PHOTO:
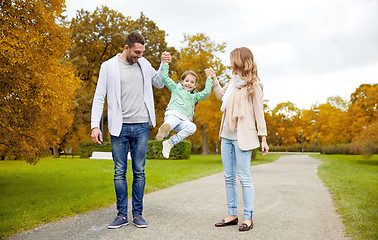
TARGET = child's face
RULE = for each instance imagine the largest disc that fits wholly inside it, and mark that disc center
(189, 83)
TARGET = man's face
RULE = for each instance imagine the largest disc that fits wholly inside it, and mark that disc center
(134, 53)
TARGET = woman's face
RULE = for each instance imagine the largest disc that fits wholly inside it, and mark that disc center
(189, 83)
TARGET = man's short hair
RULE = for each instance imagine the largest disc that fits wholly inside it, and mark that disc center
(134, 37)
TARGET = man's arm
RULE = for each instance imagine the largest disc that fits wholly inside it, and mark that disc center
(98, 106)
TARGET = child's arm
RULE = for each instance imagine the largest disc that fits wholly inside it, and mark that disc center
(205, 92)
(168, 82)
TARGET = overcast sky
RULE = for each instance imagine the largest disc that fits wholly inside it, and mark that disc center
(305, 50)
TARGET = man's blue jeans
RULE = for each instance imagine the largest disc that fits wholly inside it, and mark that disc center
(236, 161)
(135, 138)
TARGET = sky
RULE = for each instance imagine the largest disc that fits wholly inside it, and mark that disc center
(305, 50)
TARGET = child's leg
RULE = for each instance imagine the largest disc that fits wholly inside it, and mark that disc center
(170, 122)
(184, 129)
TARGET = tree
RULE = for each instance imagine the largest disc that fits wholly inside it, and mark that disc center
(199, 54)
(283, 117)
(367, 140)
(363, 106)
(36, 82)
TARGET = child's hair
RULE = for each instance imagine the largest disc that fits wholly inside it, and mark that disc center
(186, 73)
(244, 66)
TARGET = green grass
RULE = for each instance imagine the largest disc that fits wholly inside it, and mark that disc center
(31, 195)
(353, 183)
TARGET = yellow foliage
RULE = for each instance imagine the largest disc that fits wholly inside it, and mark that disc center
(36, 84)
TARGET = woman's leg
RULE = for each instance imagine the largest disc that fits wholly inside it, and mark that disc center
(243, 161)
(229, 167)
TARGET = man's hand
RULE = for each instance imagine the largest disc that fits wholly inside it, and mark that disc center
(96, 135)
(166, 57)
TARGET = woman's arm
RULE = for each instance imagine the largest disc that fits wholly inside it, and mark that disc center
(217, 88)
(258, 107)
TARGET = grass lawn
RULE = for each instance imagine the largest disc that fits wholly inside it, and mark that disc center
(31, 195)
(353, 183)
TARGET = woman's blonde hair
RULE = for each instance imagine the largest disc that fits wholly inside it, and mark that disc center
(244, 66)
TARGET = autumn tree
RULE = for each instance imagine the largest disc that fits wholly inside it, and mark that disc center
(284, 126)
(36, 82)
(200, 52)
(363, 106)
(367, 140)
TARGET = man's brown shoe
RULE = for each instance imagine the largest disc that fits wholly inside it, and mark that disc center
(245, 227)
(224, 224)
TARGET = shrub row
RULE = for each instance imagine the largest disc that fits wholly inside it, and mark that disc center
(86, 148)
(179, 151)
(294, 148)
(352, 148)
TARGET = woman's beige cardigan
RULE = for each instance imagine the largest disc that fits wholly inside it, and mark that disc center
(244, 112)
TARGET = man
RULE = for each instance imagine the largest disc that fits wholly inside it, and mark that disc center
(126, 80)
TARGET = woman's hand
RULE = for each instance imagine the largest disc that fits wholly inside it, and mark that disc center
(210, 73)
(264, 146)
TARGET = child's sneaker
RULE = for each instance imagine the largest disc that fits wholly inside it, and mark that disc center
(140, 222)
(166, 149)
(163, 131)
(118, 222)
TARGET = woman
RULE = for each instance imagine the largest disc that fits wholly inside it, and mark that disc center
(242, 123)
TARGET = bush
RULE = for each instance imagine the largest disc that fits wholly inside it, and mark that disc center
(366, 143)
(181, 150)
(86, 148)
(294, 148)
(337, 149)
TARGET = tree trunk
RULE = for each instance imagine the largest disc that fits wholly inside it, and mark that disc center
(204, 142)
(56, 151)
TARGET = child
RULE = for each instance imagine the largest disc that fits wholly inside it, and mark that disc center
(180, 110)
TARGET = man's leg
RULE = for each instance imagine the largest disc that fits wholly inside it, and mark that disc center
(120, 147)
(139, 144)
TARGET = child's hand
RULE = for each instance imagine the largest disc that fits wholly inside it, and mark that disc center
(209, 72)
(166, 57)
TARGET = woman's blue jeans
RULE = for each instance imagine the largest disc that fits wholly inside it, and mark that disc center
(235, 161)
(135, 138)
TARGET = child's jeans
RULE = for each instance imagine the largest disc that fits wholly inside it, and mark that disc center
(183, 128)
(236, 161)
